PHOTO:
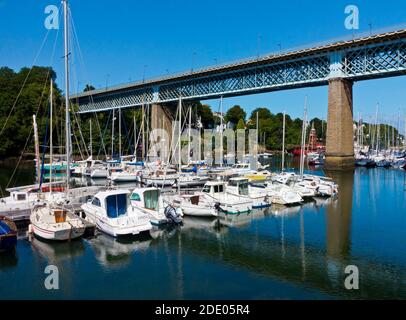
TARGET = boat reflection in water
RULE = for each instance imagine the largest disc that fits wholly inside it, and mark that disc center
(8, 260)
(56, 252)
(298, 252)
(116, 253)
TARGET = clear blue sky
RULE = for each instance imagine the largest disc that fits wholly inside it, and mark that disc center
(120, 40)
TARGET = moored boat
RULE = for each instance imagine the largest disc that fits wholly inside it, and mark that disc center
(113, 213)
(53, 221)
(8, 234)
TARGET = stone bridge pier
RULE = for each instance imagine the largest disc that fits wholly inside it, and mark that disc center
(340, 141)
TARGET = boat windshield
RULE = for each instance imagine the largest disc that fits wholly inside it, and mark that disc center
(135, 197)
(243, 188)
(219, 189)
(206, 189)
(116, 205)
(151, 199)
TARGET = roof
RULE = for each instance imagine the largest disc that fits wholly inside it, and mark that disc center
(142, 190)
(214, 183)
(239, 179)
(102, 195)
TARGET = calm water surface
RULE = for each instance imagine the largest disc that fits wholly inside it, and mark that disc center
(278, 253)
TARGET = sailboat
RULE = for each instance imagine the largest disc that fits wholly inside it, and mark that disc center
(52, 220)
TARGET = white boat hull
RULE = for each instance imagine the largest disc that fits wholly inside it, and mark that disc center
(124, 177)
(58, 235)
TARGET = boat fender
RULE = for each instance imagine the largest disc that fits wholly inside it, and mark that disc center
(30, 228)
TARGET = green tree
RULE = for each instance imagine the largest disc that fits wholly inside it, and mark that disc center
(206, 115)
(89, 87)
(241, 124)
(234, 114)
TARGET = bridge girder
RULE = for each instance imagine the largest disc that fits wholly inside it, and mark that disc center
(367, 58)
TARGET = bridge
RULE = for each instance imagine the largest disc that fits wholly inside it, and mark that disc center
(337, 65)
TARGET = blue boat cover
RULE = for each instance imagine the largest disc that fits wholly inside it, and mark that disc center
(4, 228)
(116, 205)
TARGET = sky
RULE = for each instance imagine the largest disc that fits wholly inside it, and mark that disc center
(127, 40)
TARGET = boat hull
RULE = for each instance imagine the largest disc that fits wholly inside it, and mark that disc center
(58, 235)
(8, 234)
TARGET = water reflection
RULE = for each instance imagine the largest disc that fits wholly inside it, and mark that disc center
(114, 253)
(338, 216)
(56, 252)
(272, 250)
(8, 260)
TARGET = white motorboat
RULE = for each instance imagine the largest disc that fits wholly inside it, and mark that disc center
(113, 213)
(99, 172)
(324, 186)
(160, 178)
(240, 187)
(187, 180)
(22, 199)
(131, 173)
(280, 193)
(96, 169)
(125, 176)
(195, 205)
(53, 221)
(150, 202)
(211, 201)
(305, 189)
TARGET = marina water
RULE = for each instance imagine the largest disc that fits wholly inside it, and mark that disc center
(277, 253)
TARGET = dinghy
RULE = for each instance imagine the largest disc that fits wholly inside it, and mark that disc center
(8, 234)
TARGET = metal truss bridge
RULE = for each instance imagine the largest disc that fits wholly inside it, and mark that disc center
(377, 56)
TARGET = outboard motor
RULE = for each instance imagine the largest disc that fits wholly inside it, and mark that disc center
(172, 215)
(217, 206)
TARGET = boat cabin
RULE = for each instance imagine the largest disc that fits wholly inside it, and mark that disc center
(148, 198)
(239, 185)
(114, 202)
(214, 187)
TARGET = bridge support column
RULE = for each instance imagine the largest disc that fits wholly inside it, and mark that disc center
(340, 141)
(161, 118)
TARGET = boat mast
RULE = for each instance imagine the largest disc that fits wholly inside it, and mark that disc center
(179, 141)
(143, 132)
(119, 133)
(190, 125)
(377, 129)
(36, 148)
(67, 116)
(257, 129)
(221, 132)
(302, 150)
(112, 135)
(91, 142)
(135, 137)
(283, 141)
(50, 138)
